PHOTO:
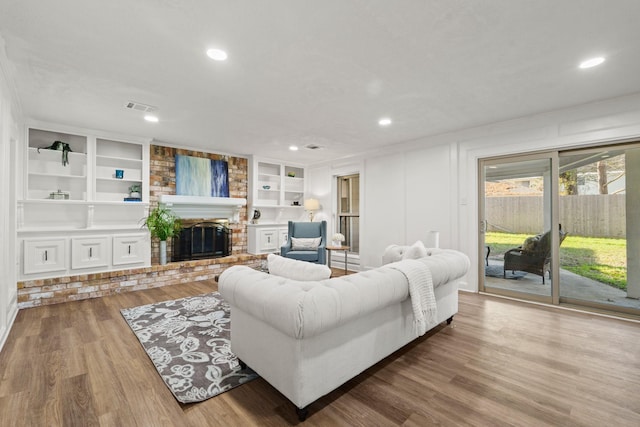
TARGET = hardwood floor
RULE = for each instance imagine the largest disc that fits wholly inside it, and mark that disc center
(499, 363)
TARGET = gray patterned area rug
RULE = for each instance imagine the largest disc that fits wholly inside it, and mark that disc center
(188, 342)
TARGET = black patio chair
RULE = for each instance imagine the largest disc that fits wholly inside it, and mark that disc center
(534, 256)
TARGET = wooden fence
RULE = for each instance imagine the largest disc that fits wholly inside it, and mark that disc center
(589, 215)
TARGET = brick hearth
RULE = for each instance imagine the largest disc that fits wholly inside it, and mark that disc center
(33, 293)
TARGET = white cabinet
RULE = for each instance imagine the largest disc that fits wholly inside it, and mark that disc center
(88, 252)
(44, 255)
(265, 239)
(81, 254)
(130, 249)
(82, 202)
(276, 190)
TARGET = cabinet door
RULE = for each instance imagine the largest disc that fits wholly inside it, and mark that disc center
(129, 249)
(268, 240)
(283, 236)
(44, 255)
(88, 252)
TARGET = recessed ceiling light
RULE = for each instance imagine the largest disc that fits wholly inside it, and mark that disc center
(151, 118)
(217, 54)
(592, 62)
(384, 121)
(293, 147)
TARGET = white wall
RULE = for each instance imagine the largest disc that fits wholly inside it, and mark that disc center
(432, 183)
(8, 143)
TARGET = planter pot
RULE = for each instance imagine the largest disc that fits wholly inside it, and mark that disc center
(163, 252)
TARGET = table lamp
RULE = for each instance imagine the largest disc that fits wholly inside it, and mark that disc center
(311, 205)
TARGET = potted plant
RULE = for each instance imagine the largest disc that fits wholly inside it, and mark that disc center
(162, 224)
(134, 191)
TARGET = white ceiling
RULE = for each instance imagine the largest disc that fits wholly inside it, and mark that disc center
(313, 72)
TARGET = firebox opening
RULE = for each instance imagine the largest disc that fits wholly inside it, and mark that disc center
(203, 240)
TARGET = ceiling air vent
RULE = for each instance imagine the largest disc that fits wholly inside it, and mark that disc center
(139, 106)
(313, 147)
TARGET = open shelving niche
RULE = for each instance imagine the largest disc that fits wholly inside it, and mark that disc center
(95, 195)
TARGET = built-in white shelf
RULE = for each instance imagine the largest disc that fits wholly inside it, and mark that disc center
(95, 211)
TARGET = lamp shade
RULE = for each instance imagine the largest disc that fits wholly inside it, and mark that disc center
(312, 204)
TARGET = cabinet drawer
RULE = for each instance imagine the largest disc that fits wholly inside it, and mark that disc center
(88, 252)
(44, 255)
(129, 249)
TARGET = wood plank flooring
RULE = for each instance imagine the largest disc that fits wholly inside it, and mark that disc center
(499, 363)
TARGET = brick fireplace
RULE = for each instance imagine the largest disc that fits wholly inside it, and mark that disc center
(163, 182)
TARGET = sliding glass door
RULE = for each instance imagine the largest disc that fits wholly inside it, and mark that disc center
(517, 227)
(600, 205)
(563, 227)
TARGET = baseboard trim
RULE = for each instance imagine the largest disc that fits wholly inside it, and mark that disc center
(11, 317)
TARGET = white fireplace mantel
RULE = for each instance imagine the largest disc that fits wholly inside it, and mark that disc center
(189, 207)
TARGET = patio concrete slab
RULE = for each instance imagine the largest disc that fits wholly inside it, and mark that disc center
(571, 286)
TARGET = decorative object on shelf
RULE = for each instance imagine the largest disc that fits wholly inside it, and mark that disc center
(119, 174)
(311, 205)
(256, 216)
(337, 239)
(266, 187)
(60, 146)
(295, 203)
(162, 223)
(59, 195)
(291, 174)
(134, 191)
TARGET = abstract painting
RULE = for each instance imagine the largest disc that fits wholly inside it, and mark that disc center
(197, 176)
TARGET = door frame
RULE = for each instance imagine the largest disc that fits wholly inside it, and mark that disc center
(551, 155)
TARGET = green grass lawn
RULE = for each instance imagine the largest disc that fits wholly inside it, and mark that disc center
(597, 258)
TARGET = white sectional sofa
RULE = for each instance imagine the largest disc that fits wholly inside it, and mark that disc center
(306, 338)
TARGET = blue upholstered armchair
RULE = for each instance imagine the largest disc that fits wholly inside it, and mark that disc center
(302, 239)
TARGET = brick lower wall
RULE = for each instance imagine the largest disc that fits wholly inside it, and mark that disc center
(34, 293)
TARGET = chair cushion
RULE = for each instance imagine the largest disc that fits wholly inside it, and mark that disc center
(303, 255)
(305, 244)
(296, 270)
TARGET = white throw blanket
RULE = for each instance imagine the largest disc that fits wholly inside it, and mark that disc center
(423, 300)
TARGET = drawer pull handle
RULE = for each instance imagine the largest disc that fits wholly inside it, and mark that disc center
(129, 249)
(90, 252)
(45, 255)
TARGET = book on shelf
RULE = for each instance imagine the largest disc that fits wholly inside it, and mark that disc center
(132, 199)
